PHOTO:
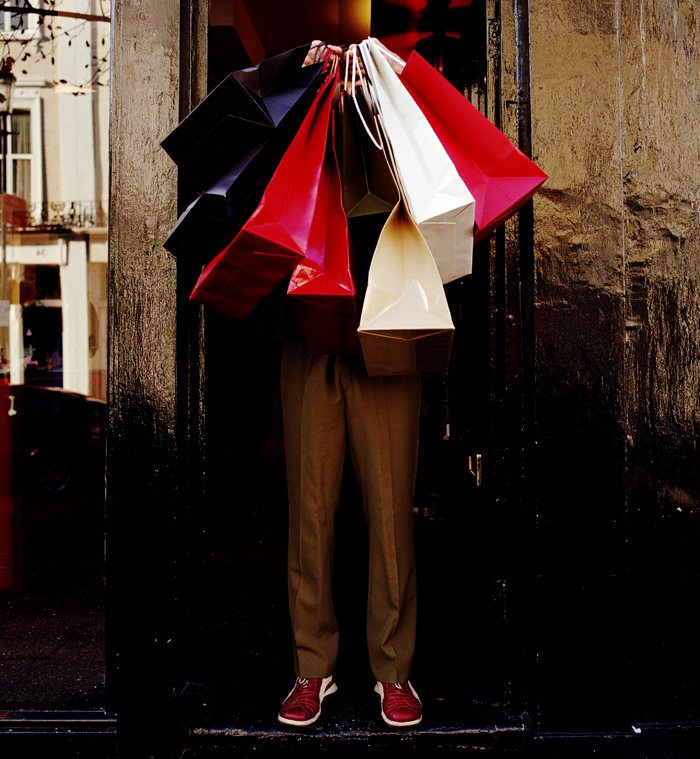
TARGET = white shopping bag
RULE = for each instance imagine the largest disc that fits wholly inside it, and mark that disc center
(438, 199)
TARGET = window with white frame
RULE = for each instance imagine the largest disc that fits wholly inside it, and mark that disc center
(17, 25)
(22, 170)
(19, 155)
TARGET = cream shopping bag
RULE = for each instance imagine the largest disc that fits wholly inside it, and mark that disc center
(406, 326)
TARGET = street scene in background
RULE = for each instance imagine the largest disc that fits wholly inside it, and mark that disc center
(54, 177)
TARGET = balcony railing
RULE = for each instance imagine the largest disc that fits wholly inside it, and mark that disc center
(69, 214)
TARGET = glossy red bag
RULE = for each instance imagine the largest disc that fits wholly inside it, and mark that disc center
(321, 289)
(500, 177)
(276, 236)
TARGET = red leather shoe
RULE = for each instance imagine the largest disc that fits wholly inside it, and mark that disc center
(401, 706)
(302, 706)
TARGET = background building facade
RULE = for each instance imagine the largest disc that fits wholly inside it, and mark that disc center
(56, 159)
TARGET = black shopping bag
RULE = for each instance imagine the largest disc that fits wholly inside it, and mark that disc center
(239, 115)
(231, 144)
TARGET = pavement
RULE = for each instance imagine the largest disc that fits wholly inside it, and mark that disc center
(52, 639)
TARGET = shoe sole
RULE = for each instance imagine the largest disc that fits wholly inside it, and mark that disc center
(391, 723)
(380, 695)
(305, 723)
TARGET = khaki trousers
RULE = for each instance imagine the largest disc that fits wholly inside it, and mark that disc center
(327, 400)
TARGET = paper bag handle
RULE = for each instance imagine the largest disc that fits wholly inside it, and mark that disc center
(365, 85)
(365, 52)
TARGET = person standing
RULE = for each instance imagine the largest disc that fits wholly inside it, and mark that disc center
(329, 402)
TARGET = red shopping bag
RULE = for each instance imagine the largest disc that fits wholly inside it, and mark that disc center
(321, 289)
(276, 237)
(500, 177)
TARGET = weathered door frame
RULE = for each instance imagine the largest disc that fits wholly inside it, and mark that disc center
(156, 366)
(154, 465)
(156, 374)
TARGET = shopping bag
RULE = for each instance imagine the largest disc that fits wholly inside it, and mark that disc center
(238, 116)
(367, 184)
(276, 236)
(405, 326)
(501, 178)
(321, 289)
(202, 231)
(213, 219)
(437, 197)
(231, 144)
